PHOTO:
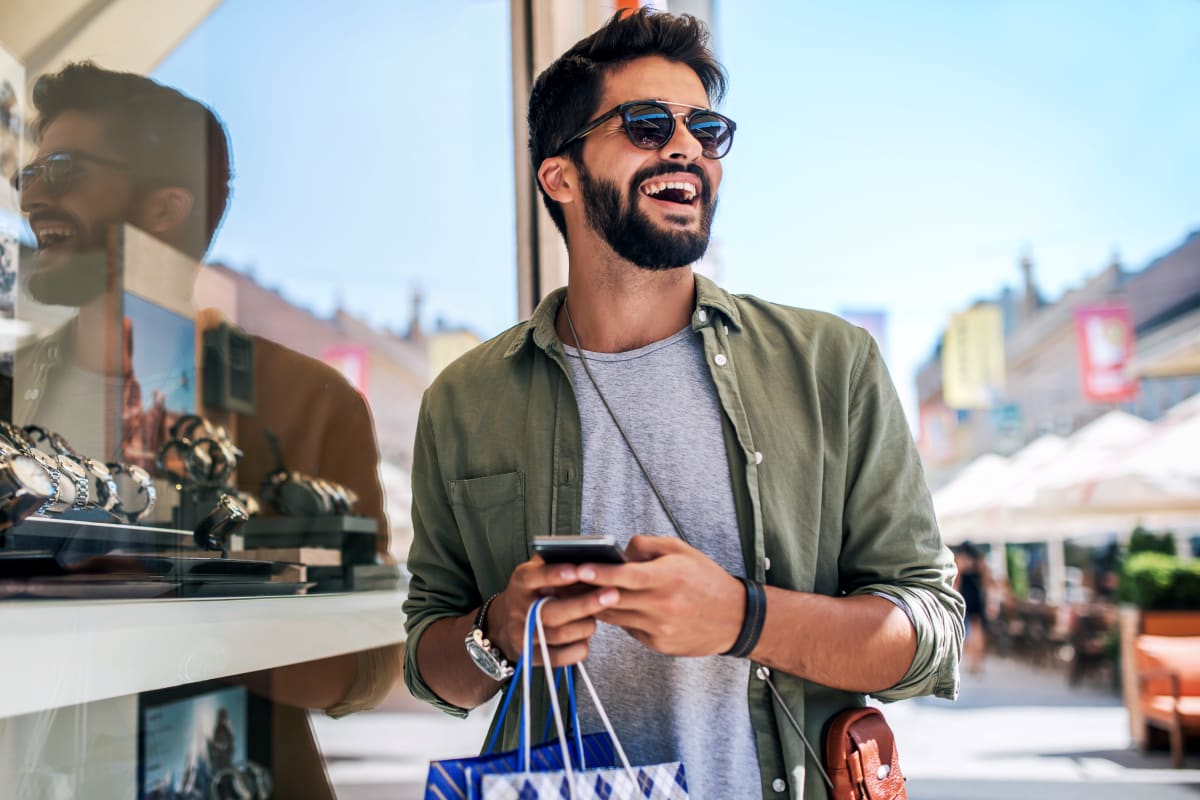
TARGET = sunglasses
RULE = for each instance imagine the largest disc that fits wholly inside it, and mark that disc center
(650, 124)
(59, 169)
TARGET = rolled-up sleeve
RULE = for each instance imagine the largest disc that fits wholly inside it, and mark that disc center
(891, 545)
(442, 583)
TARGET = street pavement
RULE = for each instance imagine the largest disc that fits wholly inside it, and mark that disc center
(1015, 732)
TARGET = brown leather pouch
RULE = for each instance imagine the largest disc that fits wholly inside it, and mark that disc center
(861, 757)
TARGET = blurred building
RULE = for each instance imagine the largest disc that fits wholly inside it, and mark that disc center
(1044, 380)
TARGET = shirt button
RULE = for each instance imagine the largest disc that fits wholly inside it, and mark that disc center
(719, 359)
(779, 784)
(757, 457)
(726, 329)
(702, 315)
(766, 564)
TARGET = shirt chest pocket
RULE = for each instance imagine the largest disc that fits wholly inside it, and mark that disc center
(490, 512)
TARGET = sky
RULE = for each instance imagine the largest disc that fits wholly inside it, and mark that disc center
(892, 156)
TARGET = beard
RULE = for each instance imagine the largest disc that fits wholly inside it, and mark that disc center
(69, 278)
(631, 233)
(75, 272)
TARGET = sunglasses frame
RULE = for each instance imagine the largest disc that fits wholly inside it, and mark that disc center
(663, 104)
(40, 167)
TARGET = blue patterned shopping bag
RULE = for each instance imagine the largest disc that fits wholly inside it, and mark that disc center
(461, 778)
(570, 782)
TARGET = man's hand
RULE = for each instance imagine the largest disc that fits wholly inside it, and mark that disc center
(569, 619)
(674, 599)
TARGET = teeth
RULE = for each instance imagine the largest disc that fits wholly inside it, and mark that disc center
(657, 188)
(53, 234)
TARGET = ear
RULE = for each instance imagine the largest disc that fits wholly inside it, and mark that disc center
(557, 177)
(162, 212)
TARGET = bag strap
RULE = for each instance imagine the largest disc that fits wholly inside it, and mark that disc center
(535, 616)
(763, 672)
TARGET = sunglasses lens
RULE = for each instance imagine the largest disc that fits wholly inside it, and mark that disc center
(713, 132)
(649, 126)
(60, 167)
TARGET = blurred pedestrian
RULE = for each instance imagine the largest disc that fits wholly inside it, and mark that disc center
(971, 583)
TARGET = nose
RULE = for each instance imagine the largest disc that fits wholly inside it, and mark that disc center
(683, 145)
(34, 194)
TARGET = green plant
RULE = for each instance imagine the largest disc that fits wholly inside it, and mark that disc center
(1017, 561)
(1159, 582)
(1146, 541)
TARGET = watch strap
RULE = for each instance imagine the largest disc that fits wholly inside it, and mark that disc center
(481, 617)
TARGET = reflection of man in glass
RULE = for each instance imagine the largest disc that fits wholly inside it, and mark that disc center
(118, 148)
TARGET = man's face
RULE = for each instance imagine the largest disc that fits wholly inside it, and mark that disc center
(71, 224)
(619, 182)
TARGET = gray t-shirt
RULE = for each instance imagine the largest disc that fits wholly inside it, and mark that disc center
(665, 709)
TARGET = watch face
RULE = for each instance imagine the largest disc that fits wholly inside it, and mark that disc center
(484, 660)
(48, 463)
(98, 469)
(31, 474)
(71, 467)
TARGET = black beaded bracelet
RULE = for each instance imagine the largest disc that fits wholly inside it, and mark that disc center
(752, 624)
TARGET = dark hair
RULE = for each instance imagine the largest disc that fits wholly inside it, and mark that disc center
(565, 95)
(168, 138)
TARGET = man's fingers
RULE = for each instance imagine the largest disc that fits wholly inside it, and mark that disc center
(564, 610)
(567, 656)
(570, 633)
(647, 548)
(636, 577)
(534, 575)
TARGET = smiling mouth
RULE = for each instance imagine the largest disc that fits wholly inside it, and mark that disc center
(676, 192)
(51, 236)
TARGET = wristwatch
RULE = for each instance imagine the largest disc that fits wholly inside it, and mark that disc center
(485, 654)
(62, 495)
(142, 485)
(75, 472)
(213, 532)
(24, 486)
(104, 487)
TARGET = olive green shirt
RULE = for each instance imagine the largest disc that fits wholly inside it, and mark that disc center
(829, 490)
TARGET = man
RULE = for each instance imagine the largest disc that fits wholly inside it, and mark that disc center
(117, 148)
(773, 434)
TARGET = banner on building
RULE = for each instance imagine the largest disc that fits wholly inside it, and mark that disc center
(353, 361)
(973, 358)
(1105, 336)
(874, 321)
(937, 435)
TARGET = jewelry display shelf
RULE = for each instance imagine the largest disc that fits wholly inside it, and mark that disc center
(61, 653)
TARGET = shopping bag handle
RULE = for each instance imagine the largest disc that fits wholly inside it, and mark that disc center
(577, 738)
(535, 613)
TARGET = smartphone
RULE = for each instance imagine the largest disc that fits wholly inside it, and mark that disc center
(598, 549)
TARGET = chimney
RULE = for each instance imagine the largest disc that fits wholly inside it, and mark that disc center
(414, 325)
(1031, 299)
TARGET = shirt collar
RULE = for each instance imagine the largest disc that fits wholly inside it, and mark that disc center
(540, 326)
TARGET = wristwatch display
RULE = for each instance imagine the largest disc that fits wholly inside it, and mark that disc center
(486, 655)
(104, 493)
(62, 495)
(24, 487)
(294, 494)
(214, 530)
(198, 453)
(135, 490)
(14, 436)
(77, 475)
